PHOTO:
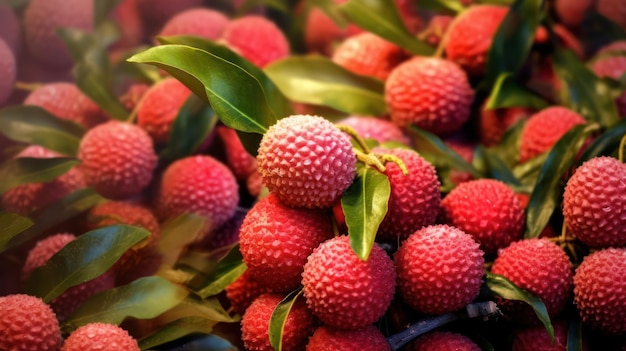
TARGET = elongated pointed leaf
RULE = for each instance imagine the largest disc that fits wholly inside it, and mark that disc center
(606, 142)
(496, 168)
(575, 334)
(176, 330)
(381, 17)
(227, 271)
(12, 224)
(545, 196)
(279, 317)
(34, 125)
(508, 93)
(209, 309)
(144, 298)
(176, 233)
(25, 170)
(364, 205)
(235, 95)
(83, 259)
(319, 81)
(504, 288)
(452, 7)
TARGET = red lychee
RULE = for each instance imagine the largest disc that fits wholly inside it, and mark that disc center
(488, 210)
(10, 31)
(275, 241)
(444, 341)
(572, 12)
(257, 39)
(594, 203)
(8, 71)
(117, 158)
(100, 337)
(321, 34)
(368, 54)
(299, 325)
(379, 129)
(128, 19)
(493, 123)
(28, 324)
(133, 95)
(432, 93)
(328, 338)
(470, 35)
(344, 291)
(600, 290)
(415, 198)
(460, 144)
(440, 269)
(613, 67)
(159, 107)
(155, 13)
(243, 291)
(536, 338)
(437, 27)
(203, 22)
(544, 129)
(615, 10)
(237, 158)
(306, 161)
(540, 267)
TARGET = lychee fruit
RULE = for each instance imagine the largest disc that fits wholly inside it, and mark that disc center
(444, 341)
(540, 267)
(306, 161)
(322, 34)
(198, 185)
(202, 22)
(437, 27)
(27, 323)
(465, 148)
(275, 241)
(299, 325)
(243, 291)
(613, 67)
(615, 10)
(41, 20)
(594, 202)
(133, 95)
(600, 290)
(8, 71)
(327, 338)
(470, 35)
(155, 13)
(440, 269)
(257, 39)
(544, 129)
(237, 158)
(536, 338)
(130, 24)
(488, 210)
(100, 337)
(10, 31)
(28, 198)
(65, 304)
(415, 198)
(368, 54)
(344, 291)
(67, 102)
(117, 158)
(159, 107)
(379, 129)
(493, 123)
(572, 12)
(432, 93)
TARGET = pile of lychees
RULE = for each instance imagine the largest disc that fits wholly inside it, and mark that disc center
(415, 177)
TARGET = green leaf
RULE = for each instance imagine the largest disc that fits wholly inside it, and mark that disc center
(584, 92)
(102, 8)
(382, 18)
(332, 10)
(508, 93)
(319, 81)
(364, 205)
(575, 335)
(606, 142)
(12, 224)
(83, 259)
(279, 318)
(34, 125)
(545, 196)
(251, 4)
(209, 309)
(451, 7)
(235, 95)
(16, 3)
(528, 171)
(25, 170)
(277, 101)
(496, 2)
(144, 298)
(176, 233)
(504, 288)
(143, 73)
(514, 38)
(495, 167)
(228, 269)
(175, 331)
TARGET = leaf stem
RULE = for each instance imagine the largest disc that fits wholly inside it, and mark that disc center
(622, 147)
(355, 135)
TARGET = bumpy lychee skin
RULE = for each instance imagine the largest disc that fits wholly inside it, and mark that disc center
(600, 290)
(321, 34)
(613, 67)
(299, 325)
(243, 291)
(488, 210)
(368, 54)
(306, 161)
(256, 38)
(117, 159)
(201, 185)
(328, 338)
(203, 22)
(544, 129)
(470, 37)
(342, 290)
(415, 198)
(440, 269)
(275, 241)
(536, 338)
(379, 129)
(432, 93)
(539, 266)
(444, 341)
(159, 107)
(594, 203)
(28, 324)
(238, 159)
(100, 337)
(8, 71)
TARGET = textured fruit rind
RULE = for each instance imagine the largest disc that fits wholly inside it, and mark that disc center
(379, 129)
(28, 324)
(243, 291)
(201, 22)
(328, 338)
(440, 269)
(257, 39)
(100, 337)
(342, 290)
(444, 341)
(600, 290)
(306, 161)
(536, 338)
